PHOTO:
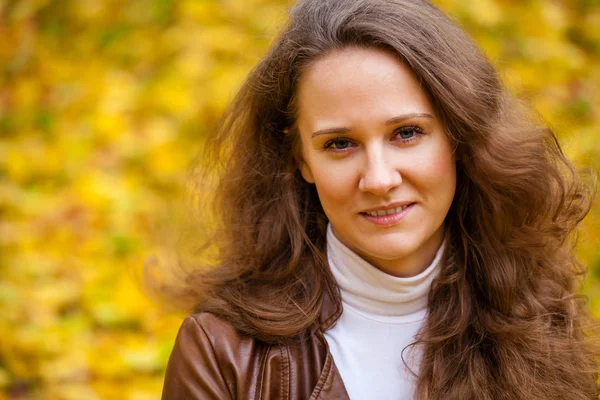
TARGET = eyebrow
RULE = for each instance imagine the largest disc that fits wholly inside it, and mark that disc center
(391, 121)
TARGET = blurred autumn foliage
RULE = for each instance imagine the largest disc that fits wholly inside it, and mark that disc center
(104, 104)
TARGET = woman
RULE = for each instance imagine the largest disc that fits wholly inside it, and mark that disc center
(391, 225)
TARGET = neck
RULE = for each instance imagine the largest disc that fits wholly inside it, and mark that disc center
(374, 293)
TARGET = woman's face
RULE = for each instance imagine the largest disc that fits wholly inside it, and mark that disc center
(378, 155)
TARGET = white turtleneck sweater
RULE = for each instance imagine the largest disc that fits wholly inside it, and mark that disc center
(381, 315)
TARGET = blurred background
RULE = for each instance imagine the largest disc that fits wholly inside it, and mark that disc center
(103, 106)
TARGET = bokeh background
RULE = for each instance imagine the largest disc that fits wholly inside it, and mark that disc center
(103, 106)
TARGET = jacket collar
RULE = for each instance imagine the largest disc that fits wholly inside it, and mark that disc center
(332, 306)
(330, 384)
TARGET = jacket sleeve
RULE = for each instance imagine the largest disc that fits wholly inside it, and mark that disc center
(193, 370)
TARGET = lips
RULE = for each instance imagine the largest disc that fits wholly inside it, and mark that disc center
(388, 216)
(387, 210)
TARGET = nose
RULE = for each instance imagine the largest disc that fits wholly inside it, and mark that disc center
(379, 175)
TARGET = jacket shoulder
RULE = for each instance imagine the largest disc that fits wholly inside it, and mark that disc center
(238, 354)
(221, 334)
(211, 360)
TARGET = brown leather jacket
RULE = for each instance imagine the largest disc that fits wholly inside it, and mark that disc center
(211, 360)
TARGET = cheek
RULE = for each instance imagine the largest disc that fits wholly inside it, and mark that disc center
(437, 173)
(335, 183)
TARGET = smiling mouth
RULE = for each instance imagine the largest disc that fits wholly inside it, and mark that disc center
(390, 211)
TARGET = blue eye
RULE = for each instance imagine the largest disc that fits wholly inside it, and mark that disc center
(408, 133)
(338, 144)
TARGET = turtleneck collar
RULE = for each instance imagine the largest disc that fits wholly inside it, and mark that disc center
(375, 294)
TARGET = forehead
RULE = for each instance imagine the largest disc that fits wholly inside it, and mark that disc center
(358, 81)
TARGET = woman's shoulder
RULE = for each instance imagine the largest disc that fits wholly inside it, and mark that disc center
(230, 345)
(211, 336)
(210, 359)
(227, 343)
(213, 359)
(215, 328)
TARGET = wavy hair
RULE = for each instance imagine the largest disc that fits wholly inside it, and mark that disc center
(504, 319)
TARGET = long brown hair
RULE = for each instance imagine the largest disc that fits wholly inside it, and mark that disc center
(504, 319)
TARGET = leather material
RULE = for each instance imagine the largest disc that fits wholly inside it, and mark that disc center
(211, 360)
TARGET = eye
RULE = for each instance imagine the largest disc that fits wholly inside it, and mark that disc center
(338, 144)
(408, 133)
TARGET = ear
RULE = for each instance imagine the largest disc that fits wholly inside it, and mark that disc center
(299, 159)
(303, 167)
(305, 171)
